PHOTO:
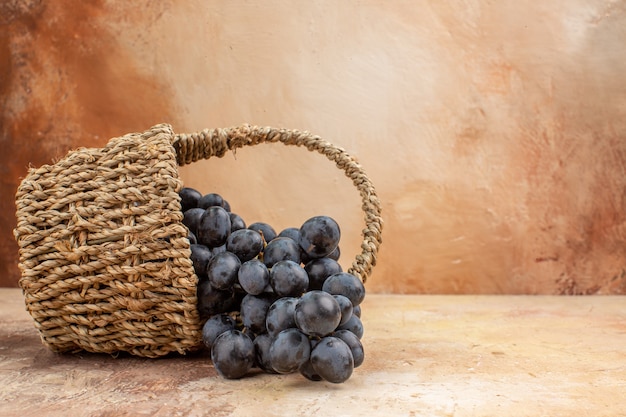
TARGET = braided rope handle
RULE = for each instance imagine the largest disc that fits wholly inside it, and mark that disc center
(192, 147)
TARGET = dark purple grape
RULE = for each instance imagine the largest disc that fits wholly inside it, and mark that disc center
(189, 198)
(214, 227)
(346, 308)
(254, 311)
(281, 315)
(319, 236)
(233, 354)
(212, 301)
(253, 276)
(218, 249)
(317, 313)
(244, 243)
(215, 326)
(268, 289)
(355, 325)
(262, 345)
(306, 369)
(347, 285)
(288, 279)
(332, 360)
(281, 249)
(355, 345)
(287, 311)
(292, 233)
(191, 219)
(268, 231)
(236, 222)
(289, 350)
(222, 270)
(200, 256)
(210, 200)
(304, 258)
(320, 269)
(336, 254)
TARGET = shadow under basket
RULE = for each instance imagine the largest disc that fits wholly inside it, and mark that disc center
(103, 252)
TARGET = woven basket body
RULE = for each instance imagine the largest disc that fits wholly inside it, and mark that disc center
(103, 253)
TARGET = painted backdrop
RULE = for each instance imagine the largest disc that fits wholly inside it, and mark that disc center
(494, 132)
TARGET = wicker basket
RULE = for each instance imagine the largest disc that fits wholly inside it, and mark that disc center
(103, 253)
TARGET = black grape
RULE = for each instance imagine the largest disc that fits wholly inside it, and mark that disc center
(289, 350)
(218, 249)
(292, 233)
(211, 200)
(281, 249)
(200, 256)
(355, 325)
(288, 279)
(279, 302)
(191, 219)
(268, 231)
(306, 369)
(254, 311)
(332, 360)
(189, 198)
(236, 222)
(320, 269)
(317, 313)
(346, 308)
(347, 285)
(222, 270)
(213, 301)
(215, 326)
(244, 243)
(262, 345)
(214, 227)
(354, 343)
(281, 315)
(233, 354)
(253, 277)
(319, 236)
(336, 254)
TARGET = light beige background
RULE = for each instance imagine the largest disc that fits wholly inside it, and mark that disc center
(494, 132)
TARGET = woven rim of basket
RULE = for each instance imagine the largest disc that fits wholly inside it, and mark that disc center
(192, 147)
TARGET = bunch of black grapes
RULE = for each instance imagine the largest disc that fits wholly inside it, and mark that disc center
(276, 301)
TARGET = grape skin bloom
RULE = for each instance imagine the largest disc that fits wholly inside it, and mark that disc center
(281, 303)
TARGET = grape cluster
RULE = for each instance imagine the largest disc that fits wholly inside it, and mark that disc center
(275, 301)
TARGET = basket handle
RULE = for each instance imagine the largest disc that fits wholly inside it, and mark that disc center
(192, 147)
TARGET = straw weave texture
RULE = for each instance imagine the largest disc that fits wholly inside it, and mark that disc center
(103, 253)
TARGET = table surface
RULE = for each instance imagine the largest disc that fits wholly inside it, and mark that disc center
(426, 355)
